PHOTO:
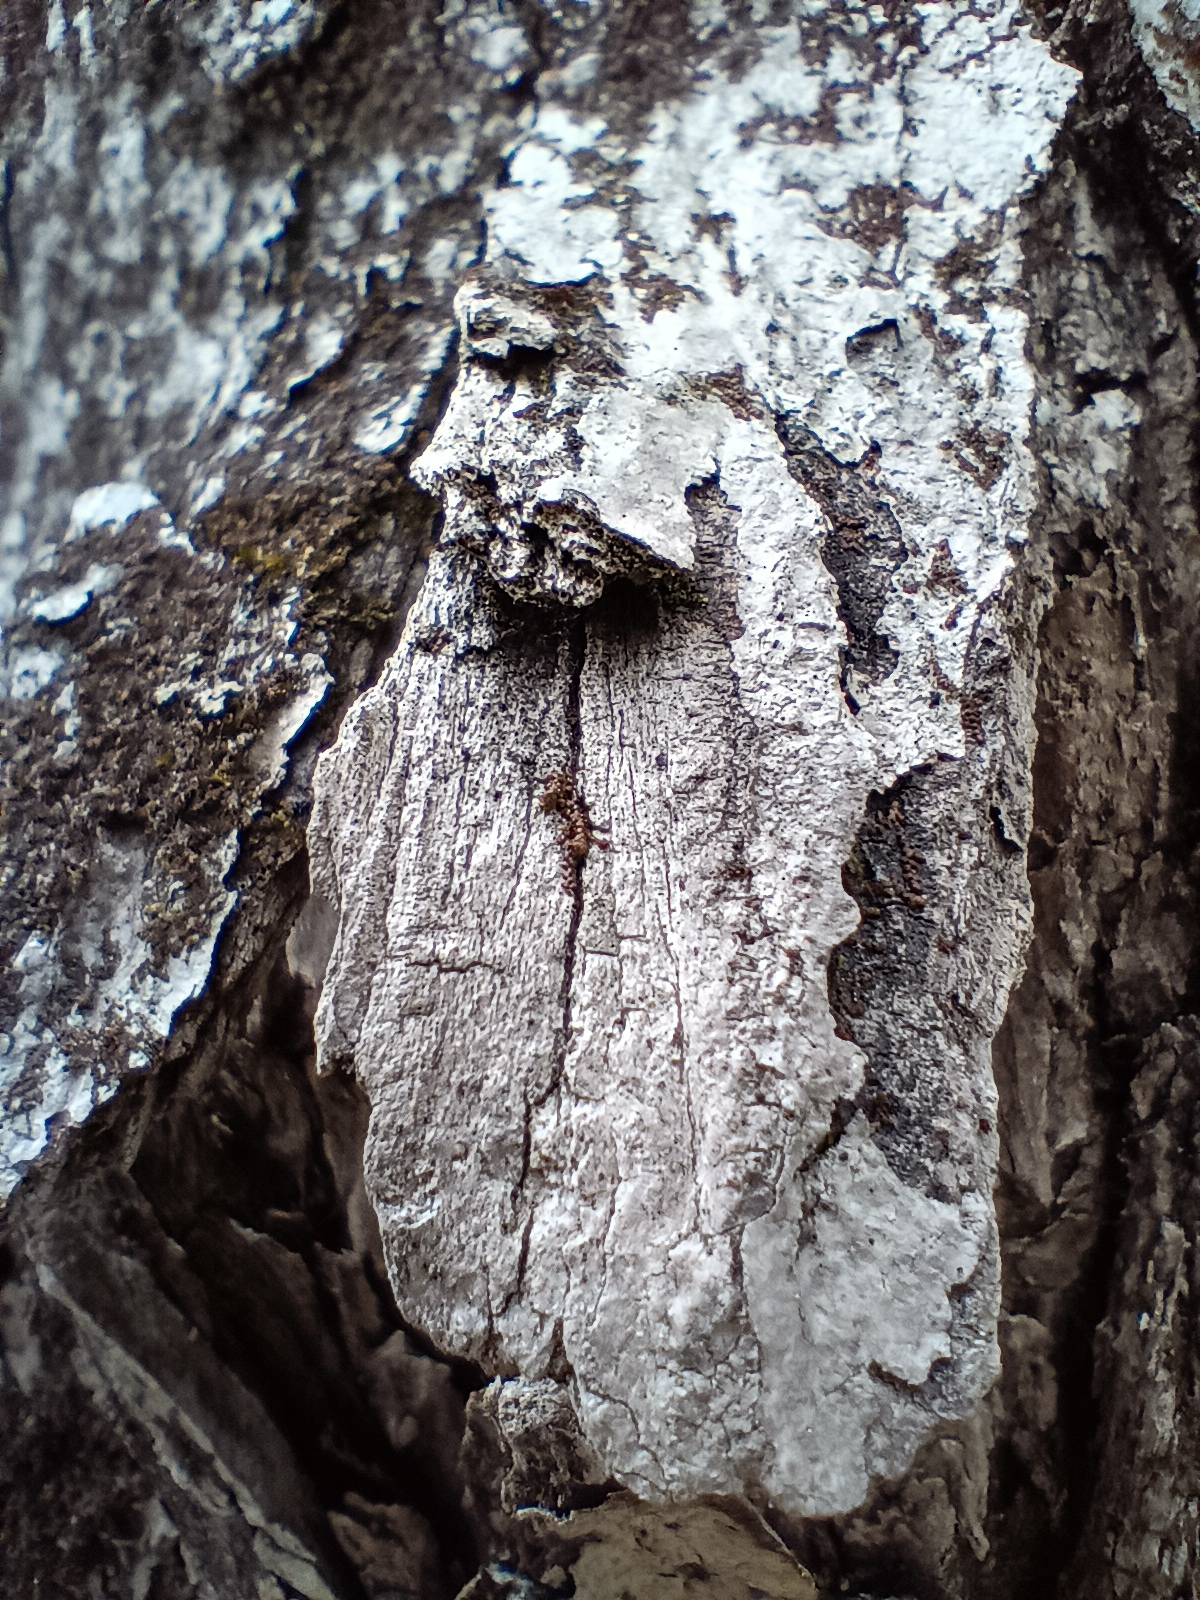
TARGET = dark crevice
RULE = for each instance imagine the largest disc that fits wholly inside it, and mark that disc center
(432, 410)
(576, 652)
(562, 801)
(1115, 825)
(294, 246)
(242, 1219)
(862, 548)
(262, 1142)
(8, 254)
(885, 966)
(1089, 384)
(1113, 1037)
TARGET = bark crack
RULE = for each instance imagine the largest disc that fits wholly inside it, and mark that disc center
(561, 796)
(576, 652)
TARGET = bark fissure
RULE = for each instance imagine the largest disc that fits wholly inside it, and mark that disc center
(560, 799)
(863, 547)
(576, 653)
(1125, 582)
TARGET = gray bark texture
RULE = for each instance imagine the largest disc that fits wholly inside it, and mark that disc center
(601, 946)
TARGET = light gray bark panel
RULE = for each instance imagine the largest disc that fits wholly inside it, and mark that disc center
(615, 1134)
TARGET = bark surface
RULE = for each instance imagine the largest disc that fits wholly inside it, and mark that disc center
(600, 879)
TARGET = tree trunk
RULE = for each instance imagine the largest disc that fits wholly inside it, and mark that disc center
(603, 820)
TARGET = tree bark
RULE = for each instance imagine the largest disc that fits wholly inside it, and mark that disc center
(602, 826)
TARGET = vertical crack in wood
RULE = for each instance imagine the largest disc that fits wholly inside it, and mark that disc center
(576, 651)
(574, 648)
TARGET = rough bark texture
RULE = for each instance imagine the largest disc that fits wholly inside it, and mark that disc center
(619, 1139)
(688, 516)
